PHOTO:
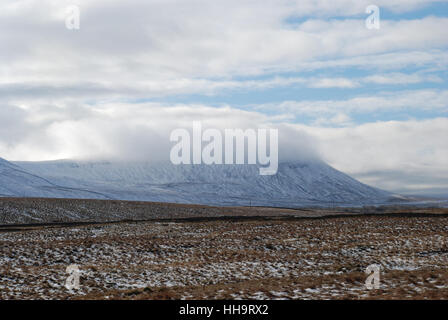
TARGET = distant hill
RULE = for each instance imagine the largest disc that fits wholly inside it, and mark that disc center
(295, 184)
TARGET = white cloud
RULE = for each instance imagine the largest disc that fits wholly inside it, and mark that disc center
(334, 83)
(129, 131)
(390, 154)
(340, 119)
(133, 42)
(45, 89)
(137, 49)
(401, 78)
(385, 101)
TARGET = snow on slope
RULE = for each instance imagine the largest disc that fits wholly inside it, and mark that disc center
(17, 182)
(295, 184)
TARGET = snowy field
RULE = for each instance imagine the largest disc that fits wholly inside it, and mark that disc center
(254, 259)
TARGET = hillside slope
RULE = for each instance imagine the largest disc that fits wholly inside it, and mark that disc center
(295, 184)
(15, 181)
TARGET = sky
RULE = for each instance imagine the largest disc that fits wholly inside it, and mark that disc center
(372, 103)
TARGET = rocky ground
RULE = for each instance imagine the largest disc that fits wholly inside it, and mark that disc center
(276, 257)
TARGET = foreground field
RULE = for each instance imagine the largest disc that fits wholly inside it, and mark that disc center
(271, 258)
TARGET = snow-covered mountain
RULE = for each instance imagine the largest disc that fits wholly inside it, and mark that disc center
(17, 182)
(295, 184)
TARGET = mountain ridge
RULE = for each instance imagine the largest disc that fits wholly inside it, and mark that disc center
(297, 183)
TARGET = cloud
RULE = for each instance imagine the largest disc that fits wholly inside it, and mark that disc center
(334, 83)
(131, 131)
(393, 155)
(385, 101)
(401, 78)
(159, 48)
(340, 119)
(84, 90)
(131, 42)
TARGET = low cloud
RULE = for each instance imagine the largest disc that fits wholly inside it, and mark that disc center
(391, 154)
(138, 132)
